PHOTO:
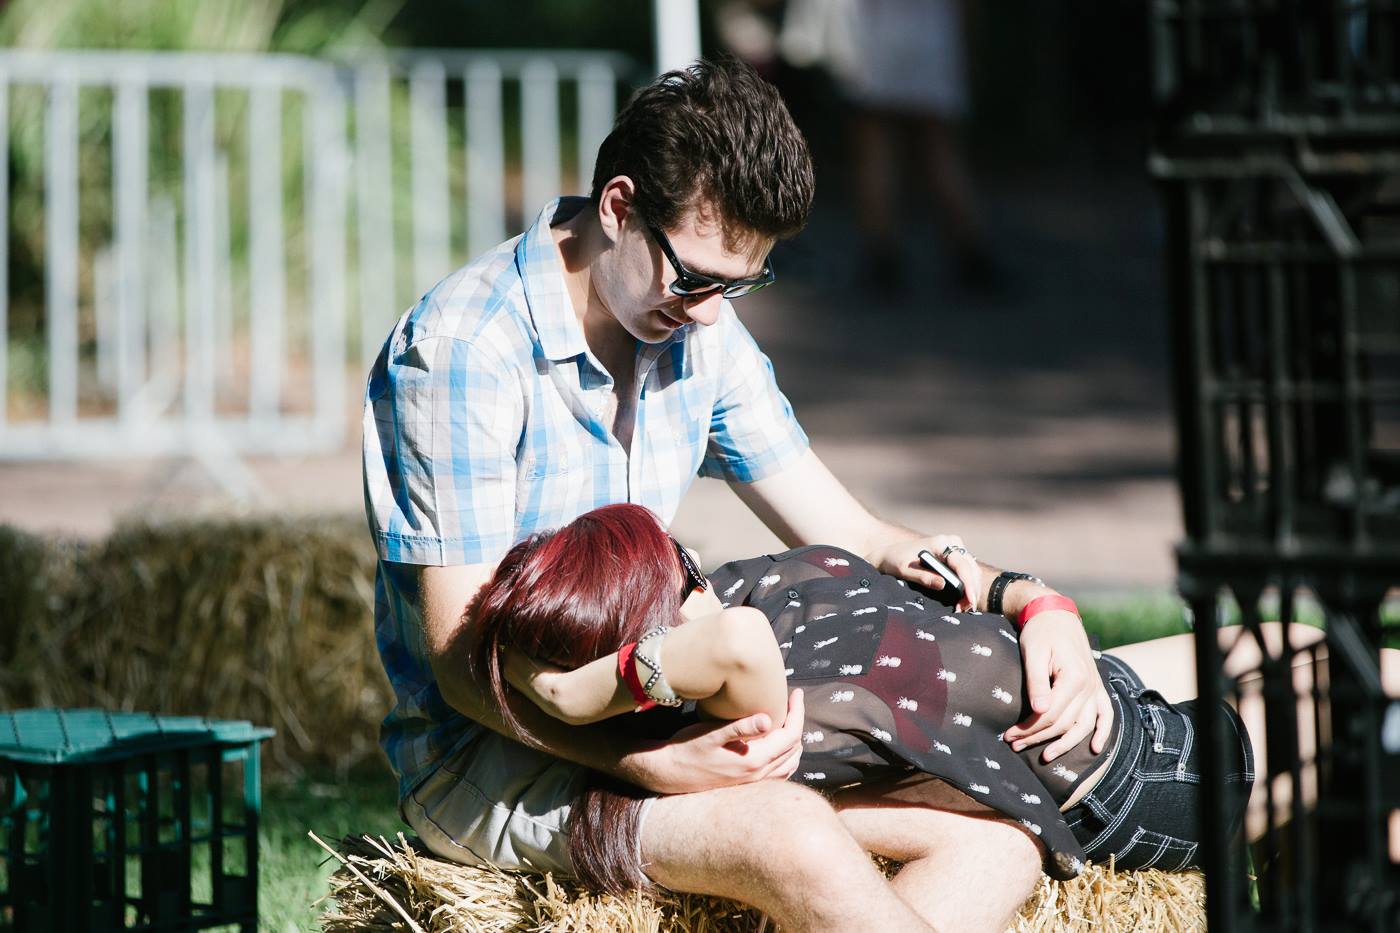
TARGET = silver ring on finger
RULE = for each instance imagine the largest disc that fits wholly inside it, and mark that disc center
(957, 549)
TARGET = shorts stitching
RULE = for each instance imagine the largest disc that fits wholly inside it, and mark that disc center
(1247, 776)
(1123, 811)
(1106, 793)
(1165, 844)
(1158, 775)
(1158, 727)
(497, 805)
(427, 818)
(1115, 821)
(1096, 808)
(1134, 841)
(1186, 743)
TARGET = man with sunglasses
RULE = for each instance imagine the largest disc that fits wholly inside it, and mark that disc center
(596, 359)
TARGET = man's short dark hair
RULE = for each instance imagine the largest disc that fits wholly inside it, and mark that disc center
(717, 133)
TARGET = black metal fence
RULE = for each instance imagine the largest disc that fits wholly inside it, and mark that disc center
(1278, 159)
(1248, 67)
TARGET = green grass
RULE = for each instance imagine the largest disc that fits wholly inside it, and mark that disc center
(294, 870)
(1134, 618)
(1141, 618)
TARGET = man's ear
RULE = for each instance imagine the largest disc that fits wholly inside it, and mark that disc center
(615, 206)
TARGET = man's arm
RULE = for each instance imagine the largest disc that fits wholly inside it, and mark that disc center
(806, 504)
(699, 758)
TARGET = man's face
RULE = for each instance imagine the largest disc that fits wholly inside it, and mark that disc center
(637, 287)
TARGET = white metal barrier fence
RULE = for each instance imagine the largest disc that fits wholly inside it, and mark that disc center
(186, 234)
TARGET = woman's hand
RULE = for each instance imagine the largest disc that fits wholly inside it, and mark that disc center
(1067, 696)
(710, 755)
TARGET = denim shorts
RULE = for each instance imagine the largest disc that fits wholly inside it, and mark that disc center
(1145, 812)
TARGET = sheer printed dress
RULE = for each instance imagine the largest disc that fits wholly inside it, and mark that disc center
(894, 682)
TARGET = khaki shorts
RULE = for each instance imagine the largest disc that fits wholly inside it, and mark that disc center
(497, 802)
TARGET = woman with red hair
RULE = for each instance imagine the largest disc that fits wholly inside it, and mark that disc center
(908, 700)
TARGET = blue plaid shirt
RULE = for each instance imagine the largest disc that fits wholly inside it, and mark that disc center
(483, 424)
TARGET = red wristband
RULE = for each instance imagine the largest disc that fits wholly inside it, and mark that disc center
(1045, 604)
(627, 667)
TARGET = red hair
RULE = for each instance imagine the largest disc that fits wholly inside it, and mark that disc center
(569, 597)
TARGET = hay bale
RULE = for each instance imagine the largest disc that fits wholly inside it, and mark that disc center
(39, 578)
(263, 619)
(383, 886)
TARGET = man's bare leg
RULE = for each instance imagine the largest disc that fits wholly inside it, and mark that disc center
(966, 868)
(874, 162)
(778, 847)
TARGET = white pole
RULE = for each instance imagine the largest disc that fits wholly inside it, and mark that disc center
(677, 33)
(539, 130)
(61, 246)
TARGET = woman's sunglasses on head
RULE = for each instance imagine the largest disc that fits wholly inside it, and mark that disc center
(694, 580)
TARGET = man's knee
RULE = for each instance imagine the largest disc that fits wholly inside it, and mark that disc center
(799, 822)
(984, 845)
(764, 829)
(1002, 847)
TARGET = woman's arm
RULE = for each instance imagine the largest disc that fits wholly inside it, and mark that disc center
(728, 661)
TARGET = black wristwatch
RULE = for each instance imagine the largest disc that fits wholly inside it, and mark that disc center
(999, 585)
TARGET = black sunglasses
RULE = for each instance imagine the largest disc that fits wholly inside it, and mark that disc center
(688, 284)
(694, 579)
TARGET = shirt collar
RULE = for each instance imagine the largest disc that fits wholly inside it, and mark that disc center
(547, 296)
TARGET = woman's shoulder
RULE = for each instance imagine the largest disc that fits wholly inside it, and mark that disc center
(735, 580)
(835, 561)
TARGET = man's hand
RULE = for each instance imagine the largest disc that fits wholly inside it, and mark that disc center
(805, 504)
(901, 559)
(1068, 699)
(710, 755)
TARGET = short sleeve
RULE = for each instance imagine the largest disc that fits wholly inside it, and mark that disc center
(753, 432)
(440, 456)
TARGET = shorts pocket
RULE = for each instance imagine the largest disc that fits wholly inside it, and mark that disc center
(1171, 738)
(440, 842)
(1146, 849)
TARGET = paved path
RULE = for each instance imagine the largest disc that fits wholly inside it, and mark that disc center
(1035, 423)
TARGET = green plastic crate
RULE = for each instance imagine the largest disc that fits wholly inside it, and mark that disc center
(127, 821)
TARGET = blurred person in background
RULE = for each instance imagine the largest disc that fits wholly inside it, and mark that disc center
(595, 359)
(902, 66)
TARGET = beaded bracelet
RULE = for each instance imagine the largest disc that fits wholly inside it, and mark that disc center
(648, 654)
